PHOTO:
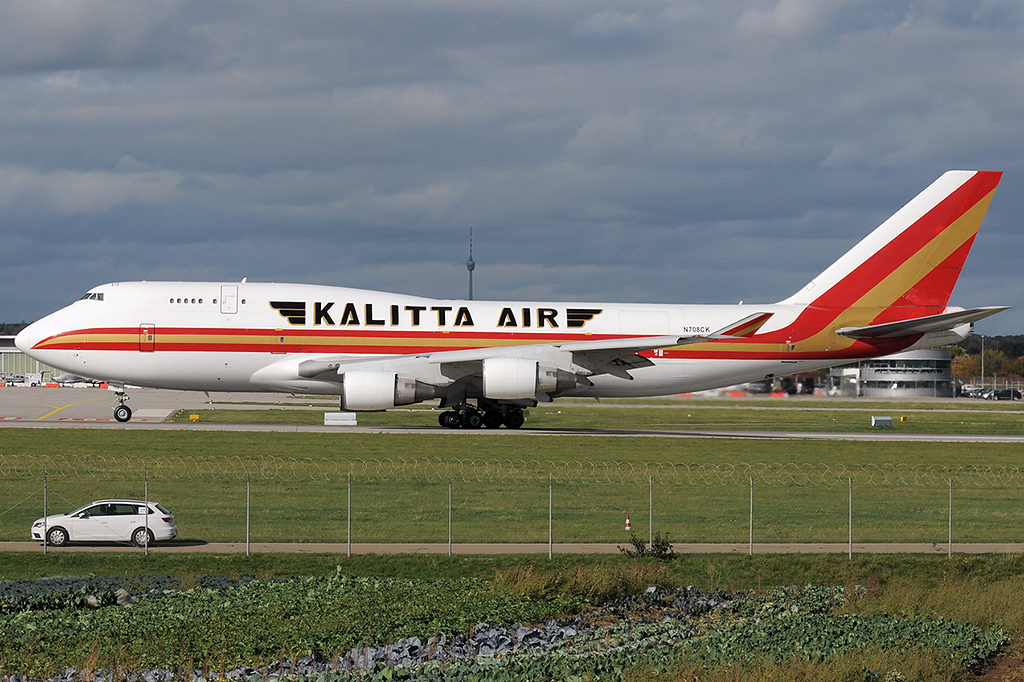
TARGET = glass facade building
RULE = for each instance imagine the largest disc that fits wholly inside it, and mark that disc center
(915, 374)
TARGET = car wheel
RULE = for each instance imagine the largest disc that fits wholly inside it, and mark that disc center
(142, 537)
(56, 537)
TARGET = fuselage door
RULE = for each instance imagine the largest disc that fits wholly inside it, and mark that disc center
(147, 338)
(229, 299)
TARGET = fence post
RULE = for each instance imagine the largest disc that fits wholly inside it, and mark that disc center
(850, 518)
(45, 529)
(949, 546)
(751, 549)
(248, 485)
(348, 521)
(650, 510)
(449, 517)
(550, 508)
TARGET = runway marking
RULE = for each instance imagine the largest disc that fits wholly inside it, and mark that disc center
(49, 414)
(92, 419)
(9, 419)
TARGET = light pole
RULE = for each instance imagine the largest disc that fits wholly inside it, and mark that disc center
(982, 361)
(470, 265)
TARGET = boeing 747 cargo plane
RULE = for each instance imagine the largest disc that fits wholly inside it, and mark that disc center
(488, 360)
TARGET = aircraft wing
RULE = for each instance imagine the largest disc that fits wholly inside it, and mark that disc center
(920, 325)
(601, 356)
(616, 357)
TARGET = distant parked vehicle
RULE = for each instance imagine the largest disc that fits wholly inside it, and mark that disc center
(108, 521)
(1005, 394)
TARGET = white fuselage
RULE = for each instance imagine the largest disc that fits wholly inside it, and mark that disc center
(228, 337)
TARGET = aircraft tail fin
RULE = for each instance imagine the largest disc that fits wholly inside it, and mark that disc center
(907, 267)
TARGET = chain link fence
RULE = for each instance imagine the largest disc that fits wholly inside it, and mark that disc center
(268, 468)
(419, 500)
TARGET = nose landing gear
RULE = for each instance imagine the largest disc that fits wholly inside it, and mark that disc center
(122, 412)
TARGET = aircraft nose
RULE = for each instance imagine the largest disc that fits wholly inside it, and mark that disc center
(26, 338)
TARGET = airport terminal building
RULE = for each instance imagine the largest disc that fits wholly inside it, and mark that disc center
(914, 374)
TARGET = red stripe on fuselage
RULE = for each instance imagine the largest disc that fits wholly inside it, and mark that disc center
(349, 340)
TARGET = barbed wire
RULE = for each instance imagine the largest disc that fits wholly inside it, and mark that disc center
(124, 467)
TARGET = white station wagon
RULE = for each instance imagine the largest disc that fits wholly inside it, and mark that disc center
(108, 521)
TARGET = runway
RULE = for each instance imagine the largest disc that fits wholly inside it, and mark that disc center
(42, 407)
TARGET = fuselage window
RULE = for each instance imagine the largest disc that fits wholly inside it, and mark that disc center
(172, 300)
(179, 300)
(193, 300)
(200, 301)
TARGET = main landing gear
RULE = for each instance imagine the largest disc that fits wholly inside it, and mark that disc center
(469, 417)
(122, 412)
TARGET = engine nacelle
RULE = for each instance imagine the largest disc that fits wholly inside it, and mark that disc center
(510, 378)
(521, 379)
(369, 391)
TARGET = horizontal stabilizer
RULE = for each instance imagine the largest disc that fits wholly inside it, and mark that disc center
(920, 325)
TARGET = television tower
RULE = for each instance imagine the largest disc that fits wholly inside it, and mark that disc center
(470, 265)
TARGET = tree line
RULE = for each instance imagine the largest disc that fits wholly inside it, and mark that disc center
(1004, 356)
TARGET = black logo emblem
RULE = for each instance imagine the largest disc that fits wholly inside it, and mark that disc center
(293, 311)
(577, 317)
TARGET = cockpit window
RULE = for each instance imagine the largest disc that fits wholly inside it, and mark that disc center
(92, 297)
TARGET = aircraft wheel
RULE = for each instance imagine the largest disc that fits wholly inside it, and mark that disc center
(56, 537)
(122, 413)
(492, 420)
(514, 419)
(472, 420)
(449, 420)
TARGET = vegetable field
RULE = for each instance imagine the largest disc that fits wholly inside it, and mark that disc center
(439, 629)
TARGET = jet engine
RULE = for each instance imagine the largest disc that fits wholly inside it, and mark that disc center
(369, 391)
(522, 379)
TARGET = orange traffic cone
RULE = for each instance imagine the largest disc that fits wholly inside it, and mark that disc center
(628, 525)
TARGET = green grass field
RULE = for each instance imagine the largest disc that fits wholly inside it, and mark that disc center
(208, 495)
(833, 416)
(299, 492)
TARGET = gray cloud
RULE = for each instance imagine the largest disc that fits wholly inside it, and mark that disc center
(652, 151)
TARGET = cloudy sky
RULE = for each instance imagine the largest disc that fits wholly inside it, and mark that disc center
(689, 151)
